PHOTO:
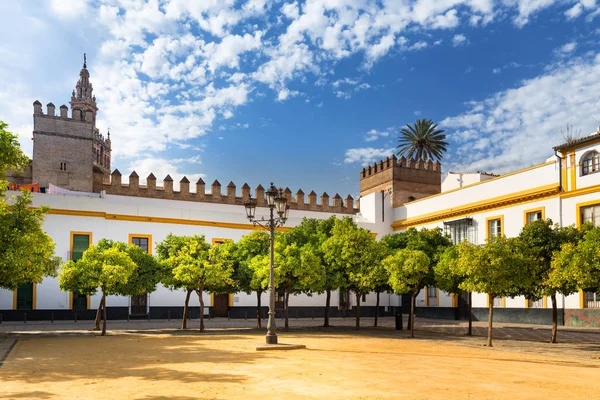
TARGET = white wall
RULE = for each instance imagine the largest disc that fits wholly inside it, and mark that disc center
(59, 227)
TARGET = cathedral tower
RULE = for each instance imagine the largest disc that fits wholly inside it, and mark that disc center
(70, 152)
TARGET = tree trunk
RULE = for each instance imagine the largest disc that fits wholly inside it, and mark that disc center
(412, 313)
(98, 316)
(357, 311)
(258, 309)
(376, 311)
(104, 314)
(185, 310)
(554, 319)
(199, 293)
(490, 318)
(409, 313)
(287, 310)
(470, 330)
(327, 303)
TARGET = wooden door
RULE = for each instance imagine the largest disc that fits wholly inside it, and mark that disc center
(220, 305)
(138, 304)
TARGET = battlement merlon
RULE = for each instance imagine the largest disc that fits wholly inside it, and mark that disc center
(151, 190)
(406, 179)
(77, 115)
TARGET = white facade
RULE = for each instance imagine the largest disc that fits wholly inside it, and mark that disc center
(121, 217)
(482, 204)
(557, 189)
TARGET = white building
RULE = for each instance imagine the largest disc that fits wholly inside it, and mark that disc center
(396, 194)
(565, 188)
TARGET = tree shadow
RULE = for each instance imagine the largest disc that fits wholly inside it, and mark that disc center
(150, 358)
(28, 395)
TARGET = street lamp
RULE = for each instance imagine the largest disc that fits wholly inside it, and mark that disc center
(277, 202)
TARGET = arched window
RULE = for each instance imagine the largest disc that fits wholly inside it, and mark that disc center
(590, 163)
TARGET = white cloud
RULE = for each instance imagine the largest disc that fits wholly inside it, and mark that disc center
(346, 87)
(419, 45)
(285, 93)
(459, 40)
(291, 10)
(227, 52)
(69, 9)
(517, 120)
(374, 134)
(527, 8)
(567, 48)
(446, 21)
(379, 50)
(170, 72)
(367, 155)
(574, 11)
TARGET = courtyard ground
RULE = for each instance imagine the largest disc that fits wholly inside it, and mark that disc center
(339, 363)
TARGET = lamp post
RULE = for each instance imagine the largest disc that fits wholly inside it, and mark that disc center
(276, 202)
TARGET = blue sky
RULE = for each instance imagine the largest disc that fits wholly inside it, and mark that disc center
(306, 93)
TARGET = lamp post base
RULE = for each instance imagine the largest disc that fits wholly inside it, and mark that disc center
(271, 339)
(283, 346)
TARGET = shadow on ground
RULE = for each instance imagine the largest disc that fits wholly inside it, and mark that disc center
(110, 357)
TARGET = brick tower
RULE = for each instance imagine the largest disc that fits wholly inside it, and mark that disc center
(406, 180)
(68, 151)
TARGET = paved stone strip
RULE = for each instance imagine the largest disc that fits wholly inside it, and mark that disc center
(7, 344)
(522, 332)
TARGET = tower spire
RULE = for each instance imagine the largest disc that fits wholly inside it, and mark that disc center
(82, 98)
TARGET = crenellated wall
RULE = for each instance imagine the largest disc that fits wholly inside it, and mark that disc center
(216, 195)
(62, 149)
(406, 180)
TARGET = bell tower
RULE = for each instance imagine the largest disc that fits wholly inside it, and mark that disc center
(82, 98)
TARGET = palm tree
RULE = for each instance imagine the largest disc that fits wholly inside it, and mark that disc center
(422, 141)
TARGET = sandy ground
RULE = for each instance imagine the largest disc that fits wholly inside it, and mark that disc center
(335, 366)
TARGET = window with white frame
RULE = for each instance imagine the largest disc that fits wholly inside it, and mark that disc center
(460, 230)
(495, 227)
(591, 299)
(497, 301)
(539, 303)
(591, 214)
(533, 216)
(590, 163)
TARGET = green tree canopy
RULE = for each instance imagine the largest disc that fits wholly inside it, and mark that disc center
(192, 268)
(251, 274)
(354, 251)
(27, 252)
(310, 234)
(543, 239)
(224, 257)
(577, 265)
(298, 270)
(448, 276)
(104, 267)
(11, 156)
(407, 269)
(499, 268)
(146, 276)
